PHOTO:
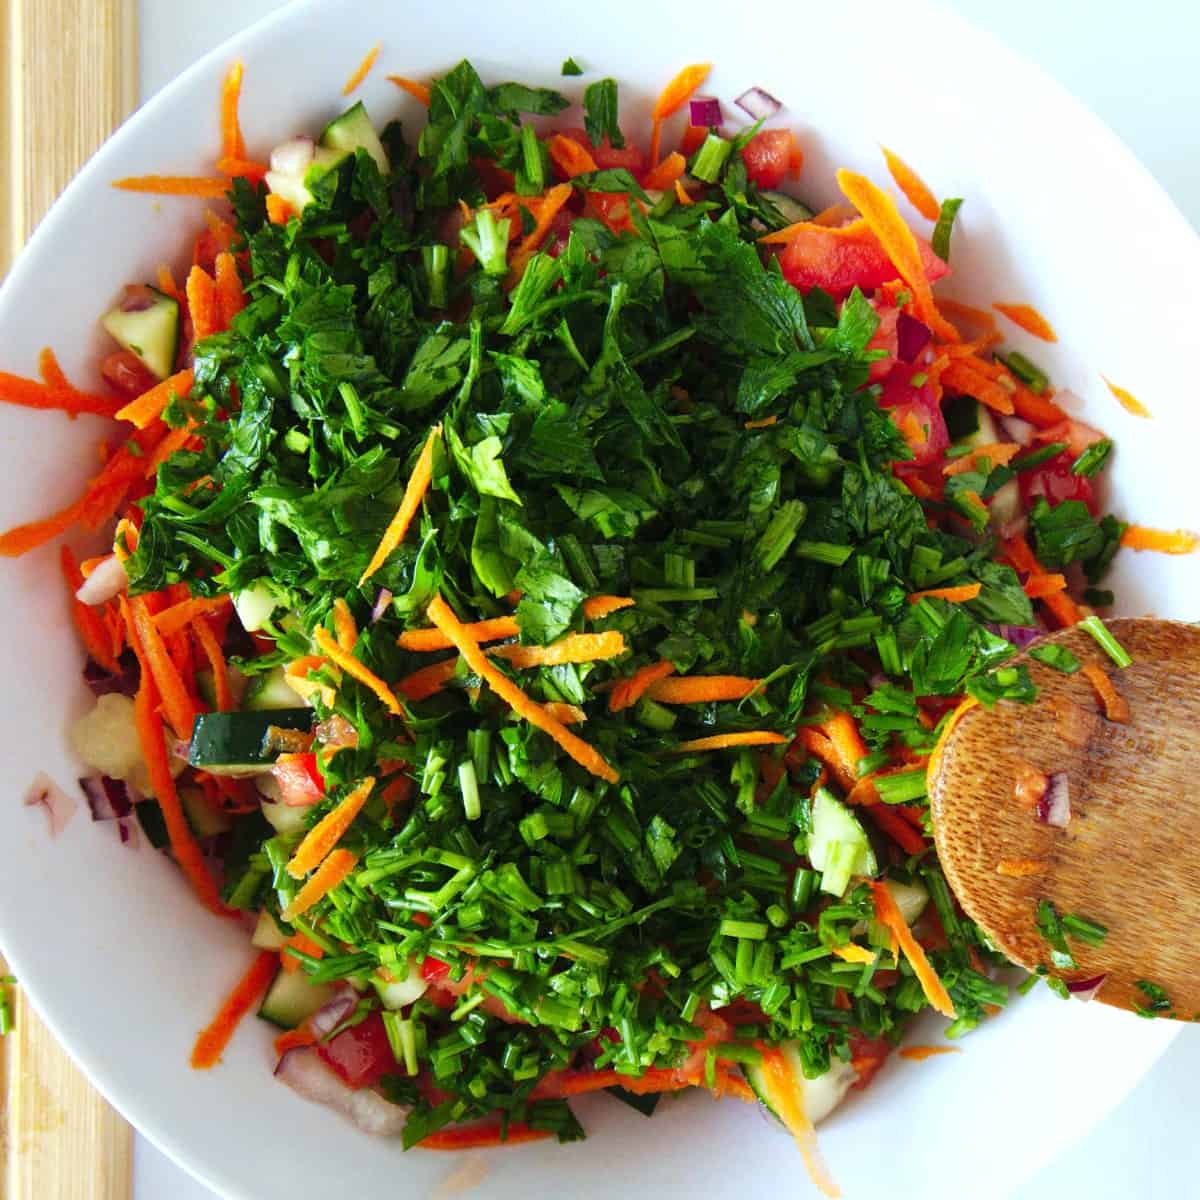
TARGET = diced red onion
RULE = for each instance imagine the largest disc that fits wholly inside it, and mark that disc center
(912, 336)
(1021, 636)
(109, 799)
(1085, 989)
(106, 580)
(706, 112)
(304, 1072)
(327, 1019)
(758, 104)
(294, 156)
(1017, 430)
(128, 829)
(102, 682)
(1054, 808)
(45, 793)
(381, 604)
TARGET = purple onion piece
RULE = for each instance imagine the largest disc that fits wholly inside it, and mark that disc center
(101, 682)
(706, 112)
(127, 827)
(1017, 430)
(45, 793)
(328, 1018)
(306, 1074)
(238, 643)
(1086, 989)
(758, 104)
(109, 799)
(381, 604)
(912, 336)
(1054, 808)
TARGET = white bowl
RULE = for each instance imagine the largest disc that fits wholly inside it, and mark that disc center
(110, 943)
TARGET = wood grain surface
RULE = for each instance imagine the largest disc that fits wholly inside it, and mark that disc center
(1127, 857)
(69, 71)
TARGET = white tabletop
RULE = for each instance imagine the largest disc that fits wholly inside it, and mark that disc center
(1140, 76)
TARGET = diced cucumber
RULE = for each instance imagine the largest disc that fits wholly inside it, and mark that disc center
(402, 992)
(910, 898)
(818, 1097)
(207, 687)
(270, 692)
(235, 743)
(291, 999)
(788, 207)
(284, 818)
(255, 604)
(353, 131)
(290, 188)
(204, 817)
(838, 846)
(267, 934)
(986, 433)
(152, 333)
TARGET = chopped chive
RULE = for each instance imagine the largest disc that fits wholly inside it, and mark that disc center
(531, 159)
(710, 159)
(1035, 458)
(469, 785)
(1105, 640)
(436, 260)
(945, 225)
(754, 930)
(1057, 657)
(823, 552)
(901, 788)
(1091, 932)
(1091, 461)
(1030, 374)
(677, 595)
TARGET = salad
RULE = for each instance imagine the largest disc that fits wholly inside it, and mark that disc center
(544, 567)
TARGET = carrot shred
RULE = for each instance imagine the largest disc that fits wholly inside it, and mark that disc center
(899, 830)
(939, 747)
(357, 670)
(492, 630)
(997, 453)
(1038, 587)
(175, 440)
(1116, 707)
(179, 616)
(833, 216)
(244, 168)
(585, 755)
(474, 1137)
(664, 175)
(912, 185)
(427, 681)
(298, 941)
(962, 375)
(957, 311)
(232, 144)
(852, 952)
(726, 741)
(174, 185)
(761, 423)
(215, 1037)
(569, 156)
(178, 705)
(148, 407)
(202, 303)
(784, 1088)
(329, 830)
(327, 876)
(889, 915)
(677, 93)
(417, 90)
(52, 374)
(681, 194)
(30, 393)
(548, 209)
(1037, 410)
(921, 1053)
(294, 1039)
(92, 632)
(279, 211)
(955, 595)
(843, 733)
(1141, 537)
(1026, 317)
(1021, 868)
(216, 661)
(231, 296)
(344, 627)
(596, 608)
(362, 70)
(574, 648)
(414, 493)
(629, 691)
(1029, 784)
(899, 244)
(1127, 400)
(701, 689)
(1018, 553)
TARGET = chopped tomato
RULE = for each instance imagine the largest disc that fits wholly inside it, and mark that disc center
(769, 155)
(1054, 480)
(612, 208)
(885, 338)
(916, 414)
(841, 259)
(299, 779)
(606, 156)
(360, 1055)
(867, 1055)
(433, 970)
(125, 373)
(1076, 434)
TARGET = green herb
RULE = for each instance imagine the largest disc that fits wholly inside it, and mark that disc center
(709, 161)
(1030, 374)
(571, 67)
(600, 112)
(1105, 640)
(1091, 932)
(1050, 927)
(944, 227)
(1035, 458)
(1093, 459)
(1057, 657)
(1157, 999)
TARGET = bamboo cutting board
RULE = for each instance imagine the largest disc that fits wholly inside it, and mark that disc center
(68, 68)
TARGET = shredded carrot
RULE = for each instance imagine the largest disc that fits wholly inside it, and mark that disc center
(596, 608)
(852, 952)
(883, 219)
(725, 741)
(148, 407)
(30, 393)
(279, 211)
(899, 830)
(566, 714)
(784, 1091)
(427, 681)
(629, 691)
(174, 185)
(232, 144)
(362, 70)
(964, 312)
(215, 1037)
(935, 755)
(231, 297)
(586, 756)
(574, 648)
(569, 156)
(492, 630)
(203, 304)
(245, 168)
(357, 670)
(178, 705)
(762, 423)
(1029, 785)
(664, 175)
(672, 98)
(294, 1039)
(329, 830)
(327, 876)
(833, 216)
(52, 374)
(216, 661)
(1037, 410)
(955, 595)
(176, 439)
(418, 91)
(298, 941)
(1021, 868)
(414, 493)
(474, 1137)
(1116, 707)
(92, 632)
(999, 454)
(1140, 537)
(344, 626)
(701, 689)
(1038, 587)
(921, 1053)
(913, 187)
(1127, 400)
(1018, 553)
(843, 733)
(681, 194)
(1026, 317)
(179, 616)
(963, 375)
(889, 915)
(547, 210)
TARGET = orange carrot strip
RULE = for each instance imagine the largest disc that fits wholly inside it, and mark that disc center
(52, 374)
(955, 595)
(665, 174)
(629, 691)
(30, 393)
(428, 681)
(574, 648)
(1037, 410)
(344, 626)
(677, 93)
(997, 453)
(473, 1137)
(362, 70)
(889, 915)
(202, 303)
(921, 1053)
(833, 216)
(851, 952)
(784, 1088)
(843, 733)
(167, 284)
(567, 714)
(492, 630)
(231, 296)
(935, 755)
(1116, 707)
(962, 376)
(298, 941)
(1021, 868)
(216, 661)
(895, 827)
(701, 689)
(215, 1037)
(964, 312)
(148, 407)
(414, 493)
(179, 707)
(92, 632)
(294, 1039)
(179, 616)
(327, 876)
(329, 830)
(1018, 553)
(418, 91)
(279, 211)
(174, 185)
(175, 440)
(1127, 400)
(681, 194)
(586, 756)
(725, 741)
(1038, 587)
(596, 608)
(548, 209)
(357, 670)
(913, 187)
(245, 168)
(1141, 537)
(883, 219)
(232, 145)
(1026, 317)
(569, 156)
(761, 423)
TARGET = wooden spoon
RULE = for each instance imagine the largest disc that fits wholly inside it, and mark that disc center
(1129, 857)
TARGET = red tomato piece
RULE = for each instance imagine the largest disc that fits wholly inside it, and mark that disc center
(769, 155)
(867, 1055)
(299, 779)
(885, 338)
(917, 414)
(606, 156)
(361, 1055)
(1054, 480)
(434, 970)
(841, 259)
(125, 373)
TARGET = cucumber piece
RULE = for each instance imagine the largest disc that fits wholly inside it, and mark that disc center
(1005, 506)
(910, 898)
(270, 692)
(284, 818)
(986, 433)
(291, 999)
(267, 934)
(255, 605)
(402, 992)
(152, 333)
(205, 819)
(818, 1097)
(788, 207)
(353, 131)
(207, 687)
(234, 743)
(838, 846)
(290, 188)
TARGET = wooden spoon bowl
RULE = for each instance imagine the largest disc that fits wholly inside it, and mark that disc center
(1129, 856)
